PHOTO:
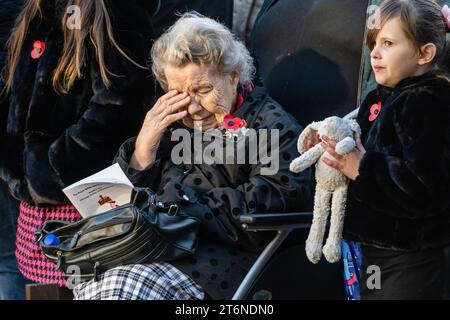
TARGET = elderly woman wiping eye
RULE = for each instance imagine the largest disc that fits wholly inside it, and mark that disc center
(207, 74)
(200, 64)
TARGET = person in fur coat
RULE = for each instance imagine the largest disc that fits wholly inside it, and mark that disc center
(12, 283)
(76, 86)
(398, 207)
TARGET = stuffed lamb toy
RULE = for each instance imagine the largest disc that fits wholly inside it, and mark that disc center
(331, 183)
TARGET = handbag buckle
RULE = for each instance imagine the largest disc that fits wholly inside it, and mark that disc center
(173, 210)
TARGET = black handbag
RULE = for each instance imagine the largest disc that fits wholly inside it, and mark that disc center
(144, 231)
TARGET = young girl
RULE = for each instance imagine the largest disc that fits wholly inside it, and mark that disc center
(75, 88)
(399, 198)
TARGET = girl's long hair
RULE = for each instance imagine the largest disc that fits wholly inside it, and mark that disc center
(96, 27)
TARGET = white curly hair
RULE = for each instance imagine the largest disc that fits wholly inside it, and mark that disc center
(201, 40)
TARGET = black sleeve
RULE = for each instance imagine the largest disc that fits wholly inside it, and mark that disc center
(4, 108)
(147, 177)
(414, 184)
(9, 10)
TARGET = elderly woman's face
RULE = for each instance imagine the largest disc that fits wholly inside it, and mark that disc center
(212, 93)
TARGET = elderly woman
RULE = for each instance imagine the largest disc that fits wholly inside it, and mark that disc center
(207, 75)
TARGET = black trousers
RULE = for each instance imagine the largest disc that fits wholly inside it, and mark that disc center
(403, 275)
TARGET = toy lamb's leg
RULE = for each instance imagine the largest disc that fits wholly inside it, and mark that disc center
(315, 238)
(332, 249)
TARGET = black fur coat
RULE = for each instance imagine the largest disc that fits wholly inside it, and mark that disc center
(9, 9)
(50, 140)
(401, 199)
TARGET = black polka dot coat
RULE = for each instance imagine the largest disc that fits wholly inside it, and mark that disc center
(219, 193)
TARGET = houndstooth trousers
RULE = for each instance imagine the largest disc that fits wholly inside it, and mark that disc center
(156, 281)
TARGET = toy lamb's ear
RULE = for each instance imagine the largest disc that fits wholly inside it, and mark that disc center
(307, 134)
(355, 128)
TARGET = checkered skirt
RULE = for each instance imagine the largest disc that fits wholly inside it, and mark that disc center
(30, 258)
(156, 281)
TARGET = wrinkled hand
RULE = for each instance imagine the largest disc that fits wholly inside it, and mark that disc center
(167, 110)
(347, 164)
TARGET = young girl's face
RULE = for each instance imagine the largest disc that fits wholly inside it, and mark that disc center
(394, 56)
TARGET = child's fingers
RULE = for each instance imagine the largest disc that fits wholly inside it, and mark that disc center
(331, 151)
(330, 142)
(360, 146)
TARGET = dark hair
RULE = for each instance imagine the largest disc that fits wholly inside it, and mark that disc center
(422, 23)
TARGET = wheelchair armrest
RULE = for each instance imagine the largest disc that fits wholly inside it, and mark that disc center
(275, 221)
(283, 224)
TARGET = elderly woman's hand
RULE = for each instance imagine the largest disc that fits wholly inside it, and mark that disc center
(167, 110)
(348, 164)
